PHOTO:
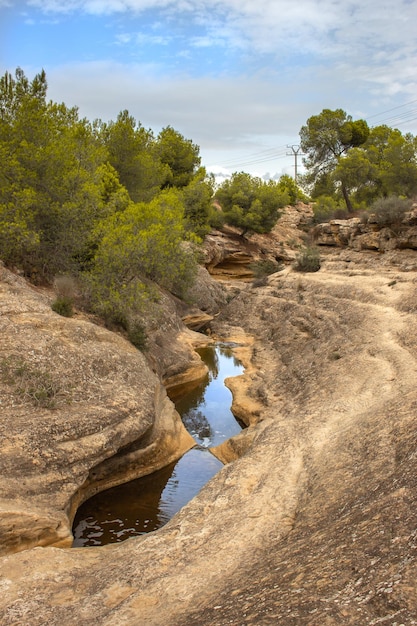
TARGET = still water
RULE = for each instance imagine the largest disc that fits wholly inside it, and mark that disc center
(146, 504)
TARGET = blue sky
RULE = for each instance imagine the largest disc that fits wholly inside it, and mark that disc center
(238, 77)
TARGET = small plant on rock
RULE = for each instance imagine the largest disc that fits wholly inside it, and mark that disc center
(32, 384)
(262, 269)
(307, 260)
(390, 211)
(64, 303)
(63, 306)
(137, 335)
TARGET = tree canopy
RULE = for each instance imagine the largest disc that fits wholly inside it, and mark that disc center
(106, 203)
(251, 203)
(328, 136)
(144, 244)
(131, 151)
(52, 187)
(347, 158)
(180, 156)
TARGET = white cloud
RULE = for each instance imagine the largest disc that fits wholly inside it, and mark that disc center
(297, 58)
(123, 38)
(233, 107)
(146, 39)
(327, 29)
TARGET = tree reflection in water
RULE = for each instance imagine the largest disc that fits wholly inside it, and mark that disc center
(146, 504)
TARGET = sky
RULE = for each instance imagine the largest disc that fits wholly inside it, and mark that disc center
(237, 77)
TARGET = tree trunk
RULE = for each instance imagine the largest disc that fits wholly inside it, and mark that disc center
(347, 199)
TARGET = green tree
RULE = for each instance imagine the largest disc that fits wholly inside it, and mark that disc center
(353, 171)
(18, 234)
(393, 159)
(287, 184)
(180, 155)
(326, 138)
(142, 245)
(384, 166)
(250, 203)
(132, 153)
(52, 183)
(198, 195)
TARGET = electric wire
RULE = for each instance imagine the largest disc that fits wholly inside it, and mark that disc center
(272, 154)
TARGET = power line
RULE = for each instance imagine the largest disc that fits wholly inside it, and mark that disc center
(256, 161)
(262, 155)
(400, 106)
(271, 154)
(404, 118)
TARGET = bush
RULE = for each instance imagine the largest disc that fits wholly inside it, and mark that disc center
(265, 267)
(137, 335)
(216, 218)
(65, 287)
(307, 260)
(262, 269)
(390, 211)
(326, 208)
(63, 305)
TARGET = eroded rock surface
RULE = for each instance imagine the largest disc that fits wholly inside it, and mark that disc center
(228, 255)
(80, 409)
(316, 524)
(368, 235)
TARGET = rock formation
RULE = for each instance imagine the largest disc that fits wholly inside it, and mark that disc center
(228, 255)
(358, 234)
(312, 522)
(80, 410)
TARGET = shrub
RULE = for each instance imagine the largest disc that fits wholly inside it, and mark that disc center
(265, 267)
(216, 218)
(262, 269)
(65, 287)
(137, 335)
(326, 208)
(307, 260)
(390, 211)
(63, 305)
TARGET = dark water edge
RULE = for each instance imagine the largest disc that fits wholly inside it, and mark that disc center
(148, 503)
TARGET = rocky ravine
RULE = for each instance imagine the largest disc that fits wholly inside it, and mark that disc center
(81, 410)
(316, 523)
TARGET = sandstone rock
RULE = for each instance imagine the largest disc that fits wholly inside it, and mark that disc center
(316, 523)
(355, 234)
(228, 255)
(208, 295)
(80, 410)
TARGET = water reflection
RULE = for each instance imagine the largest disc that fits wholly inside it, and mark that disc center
(143, 505)
(205, 409)
(146, 504)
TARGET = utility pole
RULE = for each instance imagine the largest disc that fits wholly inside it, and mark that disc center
(295, 150)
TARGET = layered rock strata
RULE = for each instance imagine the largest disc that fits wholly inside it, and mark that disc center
(366, 234)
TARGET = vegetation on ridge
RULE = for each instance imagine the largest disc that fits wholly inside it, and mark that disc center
(121, 210)
(350, 166)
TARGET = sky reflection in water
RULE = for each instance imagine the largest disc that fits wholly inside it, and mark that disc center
(146, 504)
